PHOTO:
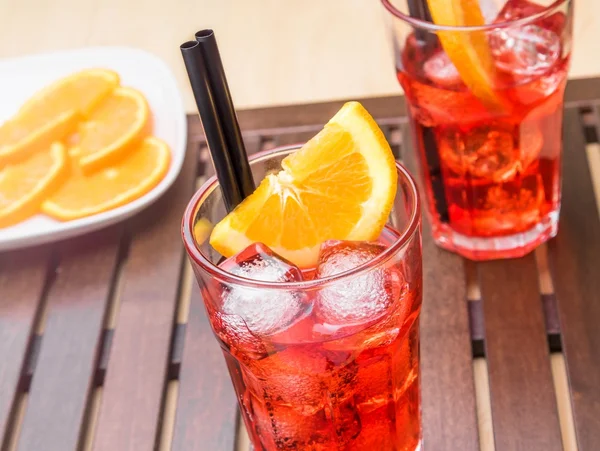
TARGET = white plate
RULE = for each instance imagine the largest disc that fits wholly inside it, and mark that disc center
(21, 77)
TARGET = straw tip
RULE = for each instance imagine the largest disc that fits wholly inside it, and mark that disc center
(188, 45)
(204, 34)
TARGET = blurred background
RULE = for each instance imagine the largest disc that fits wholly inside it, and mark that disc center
(275, 51)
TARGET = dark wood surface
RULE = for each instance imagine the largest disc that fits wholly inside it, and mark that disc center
(59, 346)
(521, 389)
(207, 409)
(574, 258)
(65, 367)
(22, 281)
(447, 385)
(137, 373)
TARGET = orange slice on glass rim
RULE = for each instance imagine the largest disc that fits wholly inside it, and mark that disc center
(469, 51)
(340, 185)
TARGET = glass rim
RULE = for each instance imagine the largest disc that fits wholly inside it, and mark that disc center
(216, 272)
(423, 24)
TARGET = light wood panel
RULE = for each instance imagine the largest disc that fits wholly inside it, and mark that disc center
(275, 52)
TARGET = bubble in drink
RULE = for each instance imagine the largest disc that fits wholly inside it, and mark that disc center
(248, 310)
(361, 299)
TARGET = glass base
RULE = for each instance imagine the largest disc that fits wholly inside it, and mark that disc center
(507, 246)
(417, 448)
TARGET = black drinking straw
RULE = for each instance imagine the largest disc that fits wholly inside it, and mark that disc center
(195, 65)
(224, 104)
(420, 10)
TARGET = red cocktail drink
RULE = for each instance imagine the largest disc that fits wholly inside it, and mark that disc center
(489, 157)
(321, 358)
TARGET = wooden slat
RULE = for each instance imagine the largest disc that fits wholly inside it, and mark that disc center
(447, 385)
(22, 277)
(207, 406)
(297, 137)
(574, 258)
(289, 116)
(582, 90)
(207, 412)
(524, 406)
(129, 417)
(65, 368)
(298, 116)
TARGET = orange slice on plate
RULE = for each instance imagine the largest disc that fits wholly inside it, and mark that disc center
(80, 91)
(50, 113)
(19, 139)
(85, 195)
(23, 186)
(469, 51)
(118, 122)
(340, 185)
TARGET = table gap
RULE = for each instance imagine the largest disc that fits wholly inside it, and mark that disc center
(548, 299)
(114, 301)
(90, 429)
(563, 399)
(183, 307)
(591, 122)
(14, 432)
(475, 310)
(41, 314)
(483, 405)
(242, 438)
(112, 310)
(593, 154)
(39, 322)
(169, 411)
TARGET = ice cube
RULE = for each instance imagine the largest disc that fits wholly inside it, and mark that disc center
(520, 9)
(441, 71)
(486, 152)
(528, 51)
(262, 311)
(356, 300)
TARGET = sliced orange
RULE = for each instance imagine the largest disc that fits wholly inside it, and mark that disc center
(340, 185)
(23, 186)
(118, 122)
(84, 195)
(45, 116)
(80, 91)
(469, 51)
(18, 140)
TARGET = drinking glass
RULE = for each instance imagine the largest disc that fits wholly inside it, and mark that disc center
(318, 363)
(486, 109)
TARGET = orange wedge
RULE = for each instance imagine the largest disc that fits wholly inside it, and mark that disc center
(23, 186)
(84, 195)
(469, 51)
(118, 122)
(51, 113)
(340, 185)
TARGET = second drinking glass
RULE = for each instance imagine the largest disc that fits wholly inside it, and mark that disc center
(486, 106)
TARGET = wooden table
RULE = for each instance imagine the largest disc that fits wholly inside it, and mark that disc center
(105, 345)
